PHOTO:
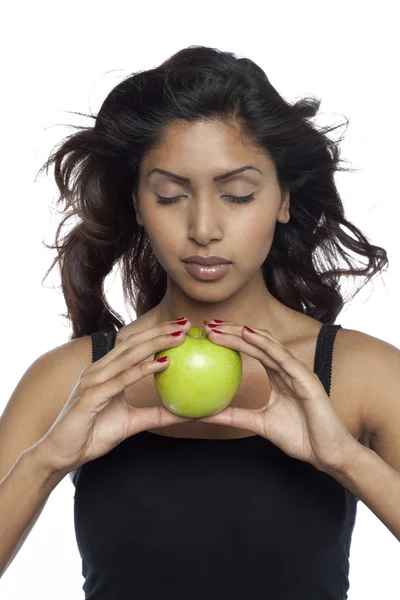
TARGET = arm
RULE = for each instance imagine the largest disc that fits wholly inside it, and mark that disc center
(26, 479)
(23, 493)
(373, 474)
(375, 483)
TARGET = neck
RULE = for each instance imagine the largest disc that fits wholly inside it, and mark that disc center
(253, 305)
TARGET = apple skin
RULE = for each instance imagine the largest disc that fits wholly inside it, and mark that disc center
(201, 377)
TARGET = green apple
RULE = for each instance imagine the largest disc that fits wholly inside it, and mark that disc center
(201, 377)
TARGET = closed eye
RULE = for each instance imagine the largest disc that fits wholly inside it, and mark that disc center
(233, 199)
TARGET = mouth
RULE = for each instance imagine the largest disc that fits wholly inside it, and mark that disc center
(207, 261)
(208, 273)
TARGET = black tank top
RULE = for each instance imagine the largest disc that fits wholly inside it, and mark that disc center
(163, 517)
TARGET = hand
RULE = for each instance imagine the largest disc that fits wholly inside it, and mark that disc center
(299, 417)
(97, 415)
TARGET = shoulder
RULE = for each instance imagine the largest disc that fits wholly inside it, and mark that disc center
(369, 355)
(360, 350)
(39, 396)
(372, 366)
(62, 366)
(75, 354)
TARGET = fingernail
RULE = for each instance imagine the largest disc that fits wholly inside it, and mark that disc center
(162, 359)
(217, 320)
(181, 322)
(176, 333)
(217, 331)
(180, 319)
(212, 324)
(248, 329)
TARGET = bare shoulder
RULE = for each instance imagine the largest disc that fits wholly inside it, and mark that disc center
(67, 361)
(368, 366)
(365, 353)
(38, 398)
(77, 352)
(355, 359)
(378, 367)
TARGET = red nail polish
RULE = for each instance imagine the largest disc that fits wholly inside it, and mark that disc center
(212, 324)
(176, 333)
(217, 331)
(217, 320)
(181, 322)
(249, 329)
(162, 359)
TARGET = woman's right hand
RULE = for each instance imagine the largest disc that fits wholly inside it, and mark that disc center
(97, 416)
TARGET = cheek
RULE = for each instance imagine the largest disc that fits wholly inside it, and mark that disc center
(164, 239)
(155, 225)
(256, 234)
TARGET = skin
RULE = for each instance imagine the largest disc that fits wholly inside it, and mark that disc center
(204, 222)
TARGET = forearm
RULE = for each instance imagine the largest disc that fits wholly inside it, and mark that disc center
(23, 494)
(375, 483)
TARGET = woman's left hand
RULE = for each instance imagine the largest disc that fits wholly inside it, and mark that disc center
(299, 417)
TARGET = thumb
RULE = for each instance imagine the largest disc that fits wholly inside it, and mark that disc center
(151, 417)
(234, 416)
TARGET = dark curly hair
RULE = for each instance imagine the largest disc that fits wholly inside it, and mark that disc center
(96, 171)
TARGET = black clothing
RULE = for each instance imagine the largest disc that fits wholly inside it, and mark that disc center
(160, 517)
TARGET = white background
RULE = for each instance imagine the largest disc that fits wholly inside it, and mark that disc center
(65, 57)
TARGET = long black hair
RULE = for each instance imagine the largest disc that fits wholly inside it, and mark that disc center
(96, 171)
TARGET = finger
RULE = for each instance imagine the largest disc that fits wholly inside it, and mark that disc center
(138, 340)
(279, 379)
(149, 417)
(233, 416)
(257, 346)
(294, 372)
(237, 342)
(232, 327)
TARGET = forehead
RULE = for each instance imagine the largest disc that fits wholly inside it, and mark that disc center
(204, 146)
(204, 149)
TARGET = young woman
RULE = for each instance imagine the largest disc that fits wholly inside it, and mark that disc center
(201, 162)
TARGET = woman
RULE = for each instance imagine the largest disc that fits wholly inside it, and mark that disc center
(201, 161)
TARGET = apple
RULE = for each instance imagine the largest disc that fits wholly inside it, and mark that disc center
(201, 377)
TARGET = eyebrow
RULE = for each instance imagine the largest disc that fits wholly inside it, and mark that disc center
(217, 178)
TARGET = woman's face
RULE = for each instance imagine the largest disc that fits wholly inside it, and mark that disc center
(203, 219)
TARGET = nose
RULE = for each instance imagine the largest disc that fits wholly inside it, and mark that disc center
(205, 220)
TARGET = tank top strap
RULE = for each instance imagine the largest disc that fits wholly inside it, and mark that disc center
(324, 354)
(102, 343)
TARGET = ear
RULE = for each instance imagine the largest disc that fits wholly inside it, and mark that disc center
(284, 212)
(137, 210)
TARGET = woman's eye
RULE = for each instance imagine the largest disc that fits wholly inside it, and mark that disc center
(163, 200)
(241, 199)
(237, 199)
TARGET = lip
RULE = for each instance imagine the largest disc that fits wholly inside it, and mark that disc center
(211, 273)
(207, 260)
